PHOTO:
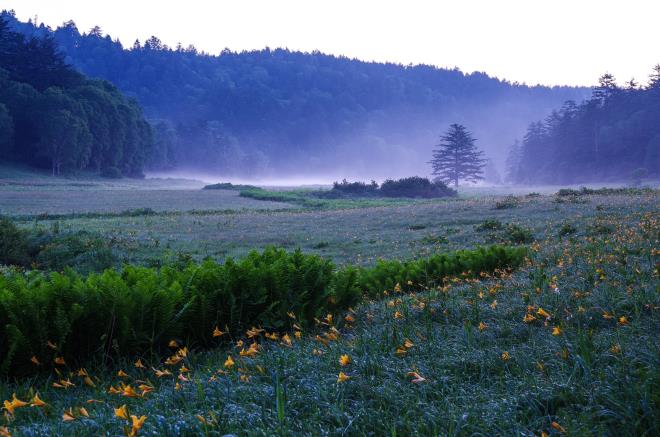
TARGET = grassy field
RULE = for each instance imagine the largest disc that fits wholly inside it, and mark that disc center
(566, 345)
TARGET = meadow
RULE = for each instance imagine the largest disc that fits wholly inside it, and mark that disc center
(564, 344)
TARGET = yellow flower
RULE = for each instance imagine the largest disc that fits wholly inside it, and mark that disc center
(506, 356)
(543, 313)
(416, 377)
(286, 340)
(401, 351)
(344, 360)
(68, 416)
(122, 374)
(349, 318)
(607, 315)
(616, 349)
(556, 331)
(59, 361)
(122, 412)
(173, 344)
(36, 402)
(408, 344)
(162, 373)
(138, 364)
(291, 315)
(217, 332)
(136, 425)
(229, 362)
(201, 419)
(528, 318)
(397, 288)
(129, 392)
(4, 432)
(342, 377)
(51, 345)
(482, 326)
(623, 320)
(398, 315)
(298, 335)
(494, 304)
(558, 427)
(35, 360)
(83, 411)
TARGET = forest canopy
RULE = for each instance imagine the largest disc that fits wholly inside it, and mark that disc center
(614, 135)
(52, 116)
(276, 111)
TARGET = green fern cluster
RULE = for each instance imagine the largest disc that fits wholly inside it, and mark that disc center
(138, 310)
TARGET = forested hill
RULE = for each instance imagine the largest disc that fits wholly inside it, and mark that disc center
(270, 111)
(53, 117)
(613, 136)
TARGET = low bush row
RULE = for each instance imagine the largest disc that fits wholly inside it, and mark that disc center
(413, 187)
(138, 310)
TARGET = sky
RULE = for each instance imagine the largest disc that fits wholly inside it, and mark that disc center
(549, 42)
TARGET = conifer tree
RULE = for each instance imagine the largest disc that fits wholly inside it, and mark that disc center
(457, 157)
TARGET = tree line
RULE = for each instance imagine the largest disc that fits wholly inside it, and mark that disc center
(614, 135)
(286, 111)
(52, 116)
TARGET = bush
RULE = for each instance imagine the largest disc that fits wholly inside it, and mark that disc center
(518, 235)
(415, 186)
(111, 173)
(228, 186)
(489, 225)
(507, 203)
(140, 309)
(13, 244)
(355, 188)
(567, 229)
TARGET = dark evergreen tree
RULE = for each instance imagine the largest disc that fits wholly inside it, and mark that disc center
(457, 158)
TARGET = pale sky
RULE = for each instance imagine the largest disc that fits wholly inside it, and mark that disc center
(552, 42)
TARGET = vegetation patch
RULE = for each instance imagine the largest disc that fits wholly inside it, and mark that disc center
(229, 186)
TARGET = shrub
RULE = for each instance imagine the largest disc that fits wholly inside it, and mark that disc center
(567, 229)
(355, 188)
(140, 309)
(13, 244)
(111, 173)
(489, 225)
(507, 203)
(228, 186)
(518, 235)
(415, 186)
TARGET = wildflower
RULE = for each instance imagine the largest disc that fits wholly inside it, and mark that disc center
(51, 345)
(129, 392)
(558, 427)
(114, 391)
(182, 378)
(201, 419)
(4, 432)
(217, 332)
(416, 377)
(506, 356)
(83, 411)
(344, 360)
(138, 364)
(398, 315)
(162, 373)
(136, 425)
(60, 361)
(317, 352)
(68, 416)
(35, 361)
(349, 318)
(37, 402)
(122, 374)
(88, 381)
(623, 320)
(291, 315)
(482, 326)
(342, 377)
(122, 412)
(173, 344)
(528, 318)
(244, 378)
(607, 315)
(616, 348)
(15, 403)
(286, 340)
(494, 304)
(229, 362)
(274, 336)
(253, 332)
(556, 331)
(408, 344)
(543, 313)
(146, 389)
(298, 335)
(397, 288)
(400, 351)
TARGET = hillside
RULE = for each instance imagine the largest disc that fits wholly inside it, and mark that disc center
(269, 111)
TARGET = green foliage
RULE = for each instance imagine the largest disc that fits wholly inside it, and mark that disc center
(585, 191)
(489, 225)
(140, 309)
(518, 235)
(229, 186)
(507, 203)
(415, 186)
(357, 189)
(457, 158)
(567, 229)
(13, 244)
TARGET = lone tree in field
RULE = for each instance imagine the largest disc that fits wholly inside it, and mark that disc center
(457, 158)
